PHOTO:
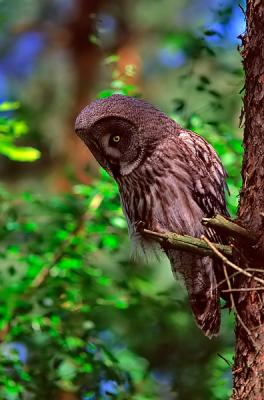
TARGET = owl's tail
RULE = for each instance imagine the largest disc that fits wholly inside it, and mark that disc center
(201, 284)
(204, 297)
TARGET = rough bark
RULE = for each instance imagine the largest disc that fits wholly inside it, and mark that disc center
(248, 371)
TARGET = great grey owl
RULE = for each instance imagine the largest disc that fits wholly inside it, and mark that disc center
(169, 178)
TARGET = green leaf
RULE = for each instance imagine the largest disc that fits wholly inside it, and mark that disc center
(20, 128)
(87, 368)
(110, 242)
(111, 59)
(9, 106)
(134, 364)
(105, 93)
(73, 342)
(118, 222)
(67, 369)
(14, 153)
(69, 263)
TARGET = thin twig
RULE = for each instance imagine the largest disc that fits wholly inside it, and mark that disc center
(230, 263)
(225, 359)
(224, 280)
(256, 270)
(237, 273)
(233, 305)
(243, 289)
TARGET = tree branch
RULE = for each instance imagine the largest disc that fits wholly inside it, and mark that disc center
(188, 243)
(222, 224)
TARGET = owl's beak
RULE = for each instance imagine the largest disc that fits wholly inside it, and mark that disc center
(111, 165)
(113, 168)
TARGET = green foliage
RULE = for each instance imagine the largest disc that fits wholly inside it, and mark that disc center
(12, 129)
(67, 289)
(54, 289)
(76, 313)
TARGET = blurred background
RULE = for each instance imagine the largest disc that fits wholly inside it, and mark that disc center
(79, 319)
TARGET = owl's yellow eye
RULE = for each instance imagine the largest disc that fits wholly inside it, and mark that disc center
(116, 138)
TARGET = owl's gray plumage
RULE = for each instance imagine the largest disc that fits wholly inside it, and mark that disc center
(169, 178)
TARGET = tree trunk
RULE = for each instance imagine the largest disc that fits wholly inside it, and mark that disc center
(85, 57)
(248, 371)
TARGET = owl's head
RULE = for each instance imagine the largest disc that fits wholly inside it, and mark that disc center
(121, 132)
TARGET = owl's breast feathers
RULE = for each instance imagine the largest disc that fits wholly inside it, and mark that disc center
(177, 185)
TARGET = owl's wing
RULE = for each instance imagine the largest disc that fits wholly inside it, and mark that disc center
(208, 174)
(208, 177)
(209, 186)
(206, 186)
